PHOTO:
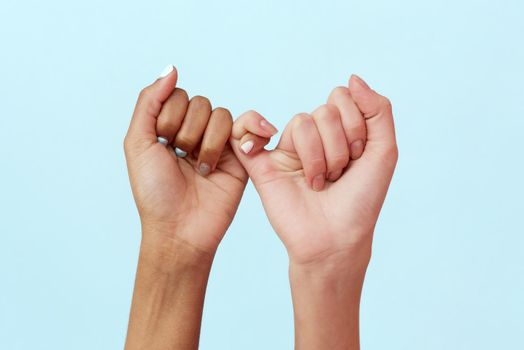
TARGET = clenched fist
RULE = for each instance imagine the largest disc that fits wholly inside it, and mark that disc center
(324, 184)
(190, 199)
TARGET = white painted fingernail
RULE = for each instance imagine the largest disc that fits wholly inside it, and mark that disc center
(247, 146)
(180, 153)
(162, 140)
(169, 68)
(204, 169)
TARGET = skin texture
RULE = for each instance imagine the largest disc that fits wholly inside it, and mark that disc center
(173, 195)
(322, 189)
(185, 207)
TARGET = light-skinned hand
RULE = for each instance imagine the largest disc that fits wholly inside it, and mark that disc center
(324, 184)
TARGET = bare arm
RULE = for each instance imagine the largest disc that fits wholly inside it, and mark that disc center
(323, 187)
(326, 302)
(168, 299)
(185, 203)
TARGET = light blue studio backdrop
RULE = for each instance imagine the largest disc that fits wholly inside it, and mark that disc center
(448, 266)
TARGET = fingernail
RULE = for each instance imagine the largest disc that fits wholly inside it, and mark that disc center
(247, 146)
(268, 126)
(318, 182)
(162, 140)
(180, 153)
(169, 68)
(204, 169)
(357, 147)
(334, 175)
(361, 81)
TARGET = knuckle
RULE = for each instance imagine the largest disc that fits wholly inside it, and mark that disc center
(200, 100)
(317, 165)
(130, 144)
(181, 92)
(221, 117)
(389, 155)
(207, 151)
(248, 116)
(252, 114)
(152, 106)
(126, 143)
(241, 123)
(223, 113)
(386, 104)
(356, 130)
(199, 103)
(185, 142)
(300, 119)
(330, 108)
(144, 93)
(340, 91)
(228, 120)
(394, 153)
(179, 97)
(339, 161)
(327, 112)
(166, 126)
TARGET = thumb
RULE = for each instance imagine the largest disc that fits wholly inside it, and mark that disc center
(377, 112)
(149, 104)
(250, 133)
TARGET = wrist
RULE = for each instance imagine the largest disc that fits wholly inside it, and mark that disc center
(351, 260)
(169, 293)
(336, 276)
(326, 300)
(165, 251)
(334, 279)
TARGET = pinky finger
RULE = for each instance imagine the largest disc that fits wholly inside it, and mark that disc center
(254, 123)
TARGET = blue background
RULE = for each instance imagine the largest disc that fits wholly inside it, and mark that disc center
(448, 266)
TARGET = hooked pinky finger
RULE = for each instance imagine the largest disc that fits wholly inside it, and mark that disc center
(254, 123)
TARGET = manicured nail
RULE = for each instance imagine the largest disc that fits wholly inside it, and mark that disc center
(357, 147)
(318, 182)
(180, 153)
(246, 147)
(162, 140)
(268, 126)
(361, 81)
(169, 68)
(204, 169)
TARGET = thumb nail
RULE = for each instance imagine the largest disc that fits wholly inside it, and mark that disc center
(169, 68)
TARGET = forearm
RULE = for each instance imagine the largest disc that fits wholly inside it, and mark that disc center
(326, 300)
(168, 298)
